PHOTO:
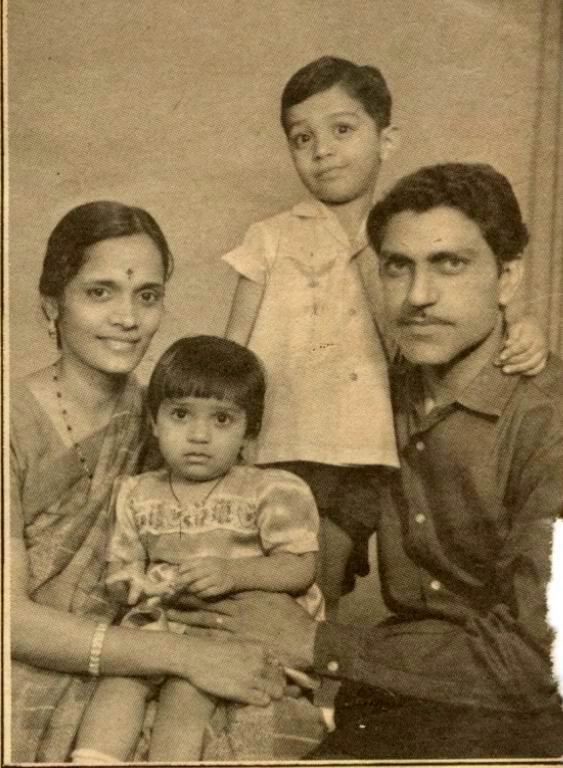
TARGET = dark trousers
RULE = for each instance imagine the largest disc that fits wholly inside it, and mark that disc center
(373, 725)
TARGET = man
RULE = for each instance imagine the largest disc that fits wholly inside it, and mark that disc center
(465, 527)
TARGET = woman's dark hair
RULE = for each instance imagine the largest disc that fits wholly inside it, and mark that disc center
(479, 191)
(366, 84)
(210, 367)
(89, 224)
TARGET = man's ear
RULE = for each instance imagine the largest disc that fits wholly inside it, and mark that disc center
(509, 280)
(390, 140)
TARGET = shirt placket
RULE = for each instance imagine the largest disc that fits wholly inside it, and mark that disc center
(422, 540)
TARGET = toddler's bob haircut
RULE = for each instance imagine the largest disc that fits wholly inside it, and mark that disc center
(210, 367)
(477, 190)
(366, 84)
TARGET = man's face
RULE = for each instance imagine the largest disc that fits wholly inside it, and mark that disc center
(441, 284)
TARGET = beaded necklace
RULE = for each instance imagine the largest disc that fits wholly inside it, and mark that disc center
(64, 413)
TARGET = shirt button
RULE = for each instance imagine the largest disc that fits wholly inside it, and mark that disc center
(420, 446)
(420, 518)
(332, 666)
(435, 585)
(353, 377)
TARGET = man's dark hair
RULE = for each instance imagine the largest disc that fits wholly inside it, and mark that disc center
(366, 84)
(484, 195)
(210, 367)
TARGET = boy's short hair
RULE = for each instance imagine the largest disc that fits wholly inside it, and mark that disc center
(210, 367)
(366, 84)
(479, 191)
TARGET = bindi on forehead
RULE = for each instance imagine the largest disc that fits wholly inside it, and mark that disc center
(129, 272)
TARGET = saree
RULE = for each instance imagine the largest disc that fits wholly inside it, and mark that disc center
(64, 520)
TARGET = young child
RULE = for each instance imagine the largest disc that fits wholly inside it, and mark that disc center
(306, 301)
(205, 523)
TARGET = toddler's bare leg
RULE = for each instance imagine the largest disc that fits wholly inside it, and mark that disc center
(182, 716)
(335, 549)
(113, 720)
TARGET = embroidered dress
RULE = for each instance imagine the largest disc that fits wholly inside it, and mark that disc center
(63, 519)
(251, 513)
(328, 394)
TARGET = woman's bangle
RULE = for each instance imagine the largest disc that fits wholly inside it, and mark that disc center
(96, 648)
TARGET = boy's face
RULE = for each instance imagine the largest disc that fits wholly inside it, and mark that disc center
(200, 438)
(441, 284)
(336, 146)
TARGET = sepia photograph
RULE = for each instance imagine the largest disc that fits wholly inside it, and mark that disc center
(282, 382)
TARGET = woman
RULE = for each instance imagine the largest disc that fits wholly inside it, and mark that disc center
(77, 425)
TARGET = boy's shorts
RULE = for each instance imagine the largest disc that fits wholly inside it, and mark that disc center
(349, 497)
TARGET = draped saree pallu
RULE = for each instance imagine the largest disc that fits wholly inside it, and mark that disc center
(64, 520)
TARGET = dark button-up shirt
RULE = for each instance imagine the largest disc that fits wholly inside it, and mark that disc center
(465, 536)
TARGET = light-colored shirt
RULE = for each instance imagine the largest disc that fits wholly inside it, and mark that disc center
(250, 513)
(327, 394)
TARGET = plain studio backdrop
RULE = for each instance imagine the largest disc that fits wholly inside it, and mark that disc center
(174, 106)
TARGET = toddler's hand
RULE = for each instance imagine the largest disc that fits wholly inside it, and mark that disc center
(525, 350)
(208, 576)
(128, 587)
(139, 586)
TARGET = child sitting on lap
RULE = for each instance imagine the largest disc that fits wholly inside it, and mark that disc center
(205, 523)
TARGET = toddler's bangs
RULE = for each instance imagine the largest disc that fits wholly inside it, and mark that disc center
(177, 385)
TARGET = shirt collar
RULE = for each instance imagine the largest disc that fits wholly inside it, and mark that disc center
(489, 391)
(314, 209)
(487, 394)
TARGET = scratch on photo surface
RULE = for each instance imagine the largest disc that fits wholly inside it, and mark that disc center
(555, 603)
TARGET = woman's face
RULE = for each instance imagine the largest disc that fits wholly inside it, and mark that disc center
(112, 307)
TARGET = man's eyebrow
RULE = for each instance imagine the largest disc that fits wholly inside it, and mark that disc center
(448, 253)
(154, 286)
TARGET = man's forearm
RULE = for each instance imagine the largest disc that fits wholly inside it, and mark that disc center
(482, 665)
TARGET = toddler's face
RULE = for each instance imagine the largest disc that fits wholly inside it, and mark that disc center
(336, 146)
(200, 438)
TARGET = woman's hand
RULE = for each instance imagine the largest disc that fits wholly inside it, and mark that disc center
(232, 668)
(525, 350)
(273, 619)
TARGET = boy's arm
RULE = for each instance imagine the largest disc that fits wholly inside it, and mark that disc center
(525, 349)
(244, 310)
(278, 572)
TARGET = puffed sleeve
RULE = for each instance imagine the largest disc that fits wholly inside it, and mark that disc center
(125, 545)
(287, 514)
(255, 257)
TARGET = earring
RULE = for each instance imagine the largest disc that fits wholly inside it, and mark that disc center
(52, 329)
